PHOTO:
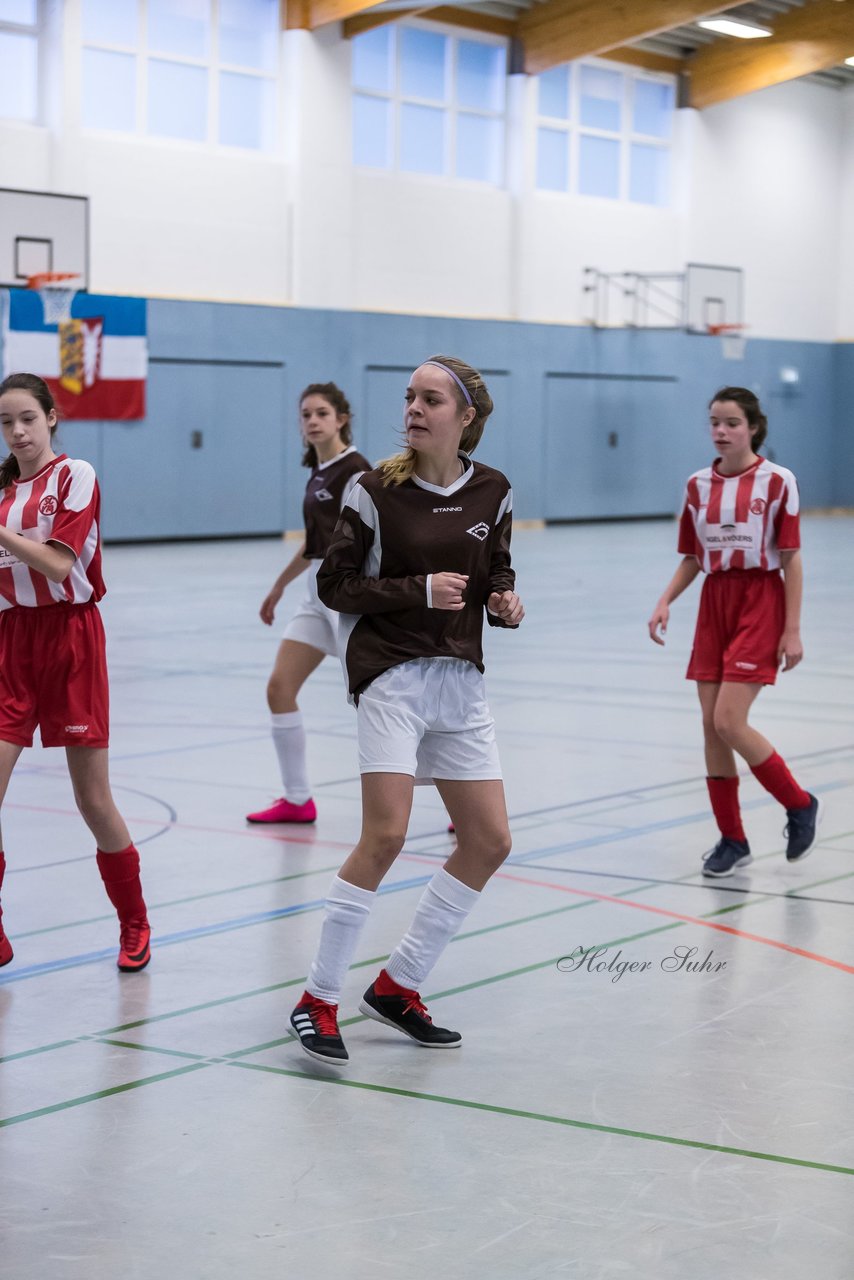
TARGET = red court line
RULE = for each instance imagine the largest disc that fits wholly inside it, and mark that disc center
(662, 911)
(190, 826)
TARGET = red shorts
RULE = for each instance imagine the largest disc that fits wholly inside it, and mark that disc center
(739, 625)
(53, 673)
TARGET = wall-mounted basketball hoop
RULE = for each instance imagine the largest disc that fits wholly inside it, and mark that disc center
(56, 293)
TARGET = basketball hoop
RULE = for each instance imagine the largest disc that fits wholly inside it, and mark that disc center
(56, 294)
(732, 339)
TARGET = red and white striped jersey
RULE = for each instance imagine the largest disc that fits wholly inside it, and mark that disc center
(61, 503)
(740, 522)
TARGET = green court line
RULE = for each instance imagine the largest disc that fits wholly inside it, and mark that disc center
(102, 1093)
(180, 902)
(492, 1109)
(147, 1048)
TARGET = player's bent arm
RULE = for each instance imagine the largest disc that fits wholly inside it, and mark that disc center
(53, 559)
(292, 569)
(683, 577)
(342, 584)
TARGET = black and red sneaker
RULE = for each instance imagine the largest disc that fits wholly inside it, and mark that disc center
(407, 1013)
(134, 946)
(315, 1025)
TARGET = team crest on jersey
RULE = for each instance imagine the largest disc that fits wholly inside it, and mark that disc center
(323, 495)
(48, 506)
(479, 531)
(757, 506)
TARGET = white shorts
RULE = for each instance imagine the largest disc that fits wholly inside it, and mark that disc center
(428, 718)
(313, 623)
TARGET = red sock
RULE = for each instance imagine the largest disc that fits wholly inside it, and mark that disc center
(6, 952)
(120, 874)
(723, 793)
(386, 986)
(775, 777)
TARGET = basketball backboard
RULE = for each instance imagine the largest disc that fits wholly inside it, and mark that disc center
(42, 231)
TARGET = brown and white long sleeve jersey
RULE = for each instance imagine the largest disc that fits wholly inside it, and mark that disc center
(325, 491)
(389, 542)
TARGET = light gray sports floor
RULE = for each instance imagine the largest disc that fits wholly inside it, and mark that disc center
(663, 1123)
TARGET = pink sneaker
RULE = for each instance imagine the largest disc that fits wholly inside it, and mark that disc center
(284, 811)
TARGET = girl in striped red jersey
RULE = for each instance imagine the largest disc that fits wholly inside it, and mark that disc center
(740, 526)
(53, 669)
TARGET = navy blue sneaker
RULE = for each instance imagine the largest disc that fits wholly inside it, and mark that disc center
(726, 856)
(800, 830)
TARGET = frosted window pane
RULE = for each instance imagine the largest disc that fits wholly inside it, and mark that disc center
(601, 98)
(422, 64)
(247, 111)
(652, 108)
(554, 93)
(371, 54)
(371, 132)
(177, 101)
(479, 147)
(23, 11)
(599, 167)
(249, 33)
(18, 76)
(552, 160)
(649, 181)
(422, 139)
(111, 21)
(480, 75)
(179, 26)
(109, 90)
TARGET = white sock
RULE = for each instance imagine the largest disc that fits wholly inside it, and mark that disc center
(289, 741)
(439, 916)
(347, 910)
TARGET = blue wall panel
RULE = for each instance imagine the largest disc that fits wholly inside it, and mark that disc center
(234, 372)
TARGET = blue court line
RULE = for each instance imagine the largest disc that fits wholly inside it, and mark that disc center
(242, 922)
(201, 931)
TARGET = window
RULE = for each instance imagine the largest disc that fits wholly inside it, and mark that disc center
(606, 132)
(196, 70)
(19, 60)
(429, 102)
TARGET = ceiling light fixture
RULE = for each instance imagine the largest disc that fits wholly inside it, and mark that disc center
(734, 27)
(849, 62)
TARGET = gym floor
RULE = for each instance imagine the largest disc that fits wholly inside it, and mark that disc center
(649, 1121)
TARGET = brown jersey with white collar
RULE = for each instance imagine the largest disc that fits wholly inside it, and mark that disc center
(389, 542)
(327, 487)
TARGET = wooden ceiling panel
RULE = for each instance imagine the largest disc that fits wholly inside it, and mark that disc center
(814, 38)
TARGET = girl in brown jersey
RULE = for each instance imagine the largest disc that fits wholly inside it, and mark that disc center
(312, 632)
(420, 552)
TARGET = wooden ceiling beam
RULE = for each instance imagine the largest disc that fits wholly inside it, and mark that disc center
(311, 14)
(470, 18)
(370, 21)
(561, 30)
(644, 58)
(818, 36)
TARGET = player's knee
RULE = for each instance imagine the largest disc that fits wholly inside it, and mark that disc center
(490, 847)
(94, 805)
(382, 844)
(728, 726)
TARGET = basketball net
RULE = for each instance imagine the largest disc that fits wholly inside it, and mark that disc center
(56, 294)
(733, 340)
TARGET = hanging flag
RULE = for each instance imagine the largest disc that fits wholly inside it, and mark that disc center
(95, 363)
